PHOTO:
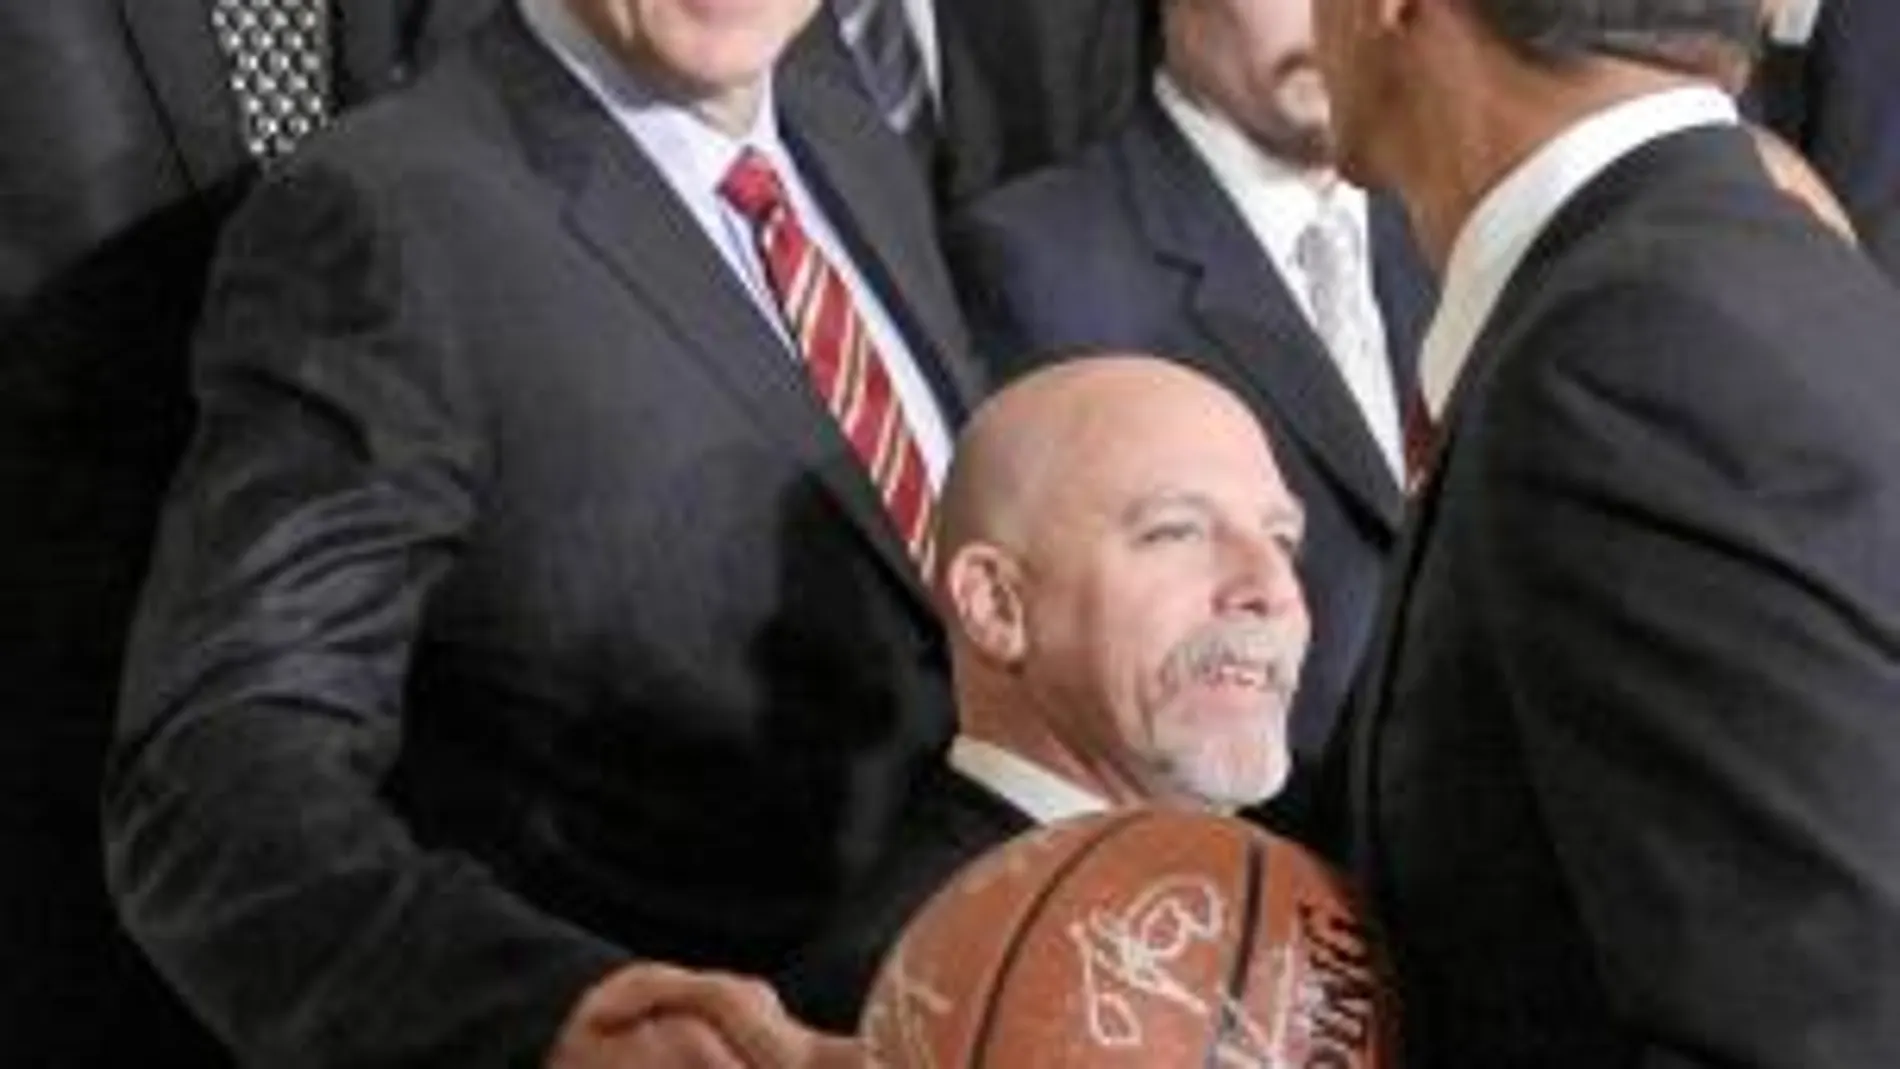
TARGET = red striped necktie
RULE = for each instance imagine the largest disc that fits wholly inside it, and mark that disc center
(1421, 441)
(842, 360)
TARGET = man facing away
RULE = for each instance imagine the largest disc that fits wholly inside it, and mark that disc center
(538, 631)
(1214, 229)
(1618, 784)
(1126, 628)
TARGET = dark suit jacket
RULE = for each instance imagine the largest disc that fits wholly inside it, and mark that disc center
(1135, 246)
(119, 158)
(1838, 101)
(1622, 782)
(519, 608)
(947, 823)
(1024, 85)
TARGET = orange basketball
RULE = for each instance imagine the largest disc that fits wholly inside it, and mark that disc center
(1142, 939)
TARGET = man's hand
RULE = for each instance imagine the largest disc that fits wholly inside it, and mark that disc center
(651, 1016)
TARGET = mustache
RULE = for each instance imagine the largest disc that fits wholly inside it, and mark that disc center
(1265, 654)
(1297, 61)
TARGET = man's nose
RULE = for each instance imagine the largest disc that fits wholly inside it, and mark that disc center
(1259, 576)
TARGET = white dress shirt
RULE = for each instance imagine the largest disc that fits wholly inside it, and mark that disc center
(1278, 204)
(1793, 23)
(1042, 795)
(1498, 234)
(694, 158)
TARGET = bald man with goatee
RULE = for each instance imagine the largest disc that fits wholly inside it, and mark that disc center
(1214, 229)
(1126, 628)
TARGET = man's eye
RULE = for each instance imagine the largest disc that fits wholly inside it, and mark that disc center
(1177, 531)
(1290, 544)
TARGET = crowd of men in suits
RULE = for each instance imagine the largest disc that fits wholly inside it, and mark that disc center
(537, 576)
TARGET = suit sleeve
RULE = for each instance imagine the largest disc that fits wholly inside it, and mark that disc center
(1695, 603)
(336, 471)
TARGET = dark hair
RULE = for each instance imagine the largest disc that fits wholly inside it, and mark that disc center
(1680, 34)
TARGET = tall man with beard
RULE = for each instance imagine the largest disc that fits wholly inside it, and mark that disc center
(1214, 230)
(1620, 785)
(1126, 628)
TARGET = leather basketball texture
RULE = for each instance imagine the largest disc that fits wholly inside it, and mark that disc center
(1140, 938)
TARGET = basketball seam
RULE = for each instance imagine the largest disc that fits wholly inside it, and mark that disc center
(1242, 966)
(979, 1051)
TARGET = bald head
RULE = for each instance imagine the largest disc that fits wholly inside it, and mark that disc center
(1045, 430)
(1117, 579)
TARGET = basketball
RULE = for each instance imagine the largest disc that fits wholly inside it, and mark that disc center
(1144, 939)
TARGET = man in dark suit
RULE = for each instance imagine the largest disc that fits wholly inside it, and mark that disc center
(987, 90)
(524, 617)
(1618, 782)
(1826, 83)
(1126, 628)
(1200, 231)
(120, 152)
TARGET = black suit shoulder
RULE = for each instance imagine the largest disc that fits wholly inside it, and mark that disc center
(1644, 643)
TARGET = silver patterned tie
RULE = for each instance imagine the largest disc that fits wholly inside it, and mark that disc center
(279, 55)
(1331, 253)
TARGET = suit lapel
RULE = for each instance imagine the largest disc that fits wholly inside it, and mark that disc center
(1240, 302)
(621, 208)
(173, 45)
(855, 165)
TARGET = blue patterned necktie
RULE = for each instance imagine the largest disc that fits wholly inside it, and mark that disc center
(891, 65)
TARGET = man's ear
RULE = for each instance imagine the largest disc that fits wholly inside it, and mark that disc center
(1392, 14)
(984, 586)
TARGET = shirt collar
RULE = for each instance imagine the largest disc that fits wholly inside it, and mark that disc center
(1498, 234)
(683, 145)
(1793, 24)
(1041, 794)
(1277, 202)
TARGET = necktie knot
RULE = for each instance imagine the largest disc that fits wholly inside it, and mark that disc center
(752, 187)
(1329, 246)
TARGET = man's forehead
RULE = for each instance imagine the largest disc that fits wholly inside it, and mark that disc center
(1251, 500)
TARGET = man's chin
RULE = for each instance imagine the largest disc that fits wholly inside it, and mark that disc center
(1230, 770)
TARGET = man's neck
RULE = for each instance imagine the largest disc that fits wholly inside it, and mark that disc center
(1462, 149)
(1002, 720)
